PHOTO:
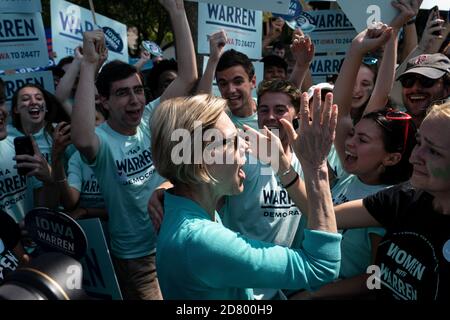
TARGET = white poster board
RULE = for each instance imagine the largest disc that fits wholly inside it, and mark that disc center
(243, 28)
(363, 12)
(70, 21)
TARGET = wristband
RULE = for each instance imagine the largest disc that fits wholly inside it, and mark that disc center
(412, 21)
(292, 182)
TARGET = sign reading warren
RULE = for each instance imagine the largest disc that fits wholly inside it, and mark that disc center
(277, 6)
(22, 41)
(333, 32)
(20, 6)
(56, 231)
(243, 28)
(323, 66)
(17, 80)
(70, 21)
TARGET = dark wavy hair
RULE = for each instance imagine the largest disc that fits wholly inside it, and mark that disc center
(52, 104)
(232, 58)
(398, 136)
(114, 71)
(153, 76)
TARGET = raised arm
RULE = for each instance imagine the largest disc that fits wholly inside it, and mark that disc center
(61, 139)
(311, 144)
(63, 91)
(275, 28)
(386, 72)
(187, 64)
(302, 50)
(366, 41)
(217, 42)
(83, 116)
(143, 59)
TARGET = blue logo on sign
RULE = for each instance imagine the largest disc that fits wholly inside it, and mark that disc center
(305, 22)
(295, 8)
(113, 40)
(446, 250)
(152, 48)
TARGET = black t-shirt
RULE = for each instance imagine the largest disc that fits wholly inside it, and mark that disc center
(414, 255)
(9, 238)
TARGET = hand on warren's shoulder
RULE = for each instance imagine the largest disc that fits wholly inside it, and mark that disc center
(93, 46)
(155, 205)
(313, 139)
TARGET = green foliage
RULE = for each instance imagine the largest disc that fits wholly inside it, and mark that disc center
(148, 16)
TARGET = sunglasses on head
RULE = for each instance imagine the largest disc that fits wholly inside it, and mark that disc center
(397, 115)
(394, 115)
(370, 60)
(409, 81)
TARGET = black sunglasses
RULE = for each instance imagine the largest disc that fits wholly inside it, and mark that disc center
(409, 81)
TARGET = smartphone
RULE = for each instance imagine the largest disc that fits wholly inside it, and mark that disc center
(435, 13)
(296, 123)
(23, 145)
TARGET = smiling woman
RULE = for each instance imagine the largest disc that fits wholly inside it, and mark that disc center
(33, 111)
(197, 257)
(414, 254)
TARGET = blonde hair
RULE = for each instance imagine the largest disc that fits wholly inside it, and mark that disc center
(439, 111)
(183, 113)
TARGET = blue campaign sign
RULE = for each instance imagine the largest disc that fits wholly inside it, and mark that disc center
(243, 28)
(70, 21)
(325, 65)
(277, 6)
(15, 81)
(99, 279)
(333, 31)
(22, 41)
(20, 6)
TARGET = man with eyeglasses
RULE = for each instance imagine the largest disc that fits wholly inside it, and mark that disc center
(425, 80)
(118, 151)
